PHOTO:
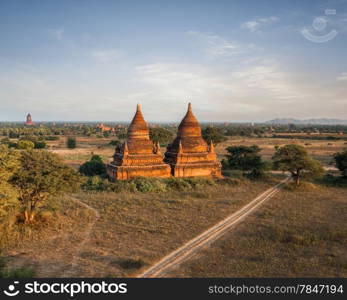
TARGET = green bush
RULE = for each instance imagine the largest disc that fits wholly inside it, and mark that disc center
(178, 184)
(51, 138)
(24, 144)
(145, 185)
(130, 263)
(40, 144)
(341, 162)
(71, 143)
(96, 183)
(95, 166)
(13, 135)
(114, 143)
(22, 272)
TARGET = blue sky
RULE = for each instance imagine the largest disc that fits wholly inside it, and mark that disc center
(234, 60)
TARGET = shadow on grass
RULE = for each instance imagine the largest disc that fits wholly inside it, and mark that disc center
(131, 263)
(332, 181)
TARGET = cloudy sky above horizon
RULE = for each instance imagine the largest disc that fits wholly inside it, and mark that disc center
(234, 60)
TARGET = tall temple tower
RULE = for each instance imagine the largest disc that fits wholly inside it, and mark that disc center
(138, 156)
(29, 120)
(189, 155)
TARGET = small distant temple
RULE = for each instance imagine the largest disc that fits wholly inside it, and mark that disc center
(138, 156)
(29, 120)
(189, 155)
(102, 128)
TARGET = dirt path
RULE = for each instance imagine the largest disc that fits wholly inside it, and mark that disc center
(70, 272)
(207, 237)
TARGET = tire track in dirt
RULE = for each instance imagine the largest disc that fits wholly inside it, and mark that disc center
(86, 237)
(190, 248)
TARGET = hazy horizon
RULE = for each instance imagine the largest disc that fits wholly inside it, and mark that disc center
(175, 121)
(236, 61)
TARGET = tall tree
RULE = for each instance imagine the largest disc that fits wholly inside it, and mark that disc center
(296, 160)
(161, 135)
(341, 162)
(9, 164)
(40, 176)
(95, 166)
(71, 143)
(245, 158)
(213, 134)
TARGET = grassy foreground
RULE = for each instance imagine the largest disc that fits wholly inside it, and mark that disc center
(298, 233)
(123, 232)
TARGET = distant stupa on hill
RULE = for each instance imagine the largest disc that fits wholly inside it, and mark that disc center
(29, 120)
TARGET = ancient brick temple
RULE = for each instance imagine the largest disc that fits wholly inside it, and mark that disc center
(138, 156)
(102, 128)
(189, 155)
(29, 120)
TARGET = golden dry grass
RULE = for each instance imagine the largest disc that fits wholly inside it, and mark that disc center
(321, 150)
(134, 230)
(48, 245)
(299, 233)
(86, 146)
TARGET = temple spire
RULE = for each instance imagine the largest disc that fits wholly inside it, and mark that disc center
(138, 127)
(211, 147)
(190, 107)
(138, 155)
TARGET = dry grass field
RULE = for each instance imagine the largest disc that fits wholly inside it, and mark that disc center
(321, 150)
(95, 234)
(301, 233)
(128, 230)
(86, 147)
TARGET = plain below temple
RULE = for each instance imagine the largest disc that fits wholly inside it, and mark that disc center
(189, 155)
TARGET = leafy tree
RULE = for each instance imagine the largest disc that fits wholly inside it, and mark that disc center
(114, 143)
(40, 176)
(13, 135)
(26, 145)
(213, 134)
(245, 158)
(40, 144)
(161, 135)
(341, 162)
(296, 160)
(52, 138)
(122, 136)
(95, 166)
(9, 164)
(71, 143)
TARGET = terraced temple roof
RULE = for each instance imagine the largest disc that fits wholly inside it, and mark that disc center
(189, 135)
(189, 126)
(138, 127)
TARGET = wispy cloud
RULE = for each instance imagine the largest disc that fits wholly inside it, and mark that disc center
(176, 84)
(106, 56)
(256, 24)
(57, 33)
(342, 77)
(234, 94)
(217, 46)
